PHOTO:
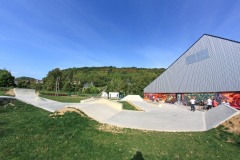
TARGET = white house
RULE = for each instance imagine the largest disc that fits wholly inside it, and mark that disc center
(113, 94)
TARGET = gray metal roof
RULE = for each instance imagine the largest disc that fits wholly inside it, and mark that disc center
(212, 64)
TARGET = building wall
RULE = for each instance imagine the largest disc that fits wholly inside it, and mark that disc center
(113, 94)
(232, 97)
(210, 65)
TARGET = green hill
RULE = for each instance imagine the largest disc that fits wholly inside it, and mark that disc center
(129, 80)
(25, 79)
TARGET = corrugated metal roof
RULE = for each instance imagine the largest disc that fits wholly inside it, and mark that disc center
(212, 64)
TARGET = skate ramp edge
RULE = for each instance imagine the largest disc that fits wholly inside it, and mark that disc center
(216, 116)
(132, 98)
(24, 92)
(89, 100)
(115, 105)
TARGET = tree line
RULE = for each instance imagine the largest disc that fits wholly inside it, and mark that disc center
(129, 80)
(6, 78)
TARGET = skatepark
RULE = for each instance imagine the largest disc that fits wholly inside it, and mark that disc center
(163, 117)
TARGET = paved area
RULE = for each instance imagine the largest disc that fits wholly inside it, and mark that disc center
(166, 118)
(29, 96)
(218, 115)
(158, 117)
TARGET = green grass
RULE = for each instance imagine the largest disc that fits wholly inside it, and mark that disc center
(2, 93)
(27, 132)
(64, 98)
(128, 106)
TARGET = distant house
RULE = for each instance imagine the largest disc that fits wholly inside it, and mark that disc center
(113, 94)
(76, 82)
(87, 85)
(104, 94)
(38, 81)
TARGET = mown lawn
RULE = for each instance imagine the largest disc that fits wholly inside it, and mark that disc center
(2, 93)
(64, 98)
(27, 132)
(128, 106)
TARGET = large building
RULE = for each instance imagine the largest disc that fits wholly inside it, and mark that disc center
(209, 68)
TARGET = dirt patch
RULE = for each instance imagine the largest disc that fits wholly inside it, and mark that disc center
(10, 92)
(233, 124)
(110, 128)
(7, 102)
(61, 112)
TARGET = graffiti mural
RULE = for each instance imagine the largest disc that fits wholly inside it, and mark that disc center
(232, 97)
(168, 98)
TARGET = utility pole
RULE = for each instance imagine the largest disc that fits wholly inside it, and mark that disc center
(57, 86)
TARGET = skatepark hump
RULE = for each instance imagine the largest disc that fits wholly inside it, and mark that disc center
(168, 117)
(132, 98)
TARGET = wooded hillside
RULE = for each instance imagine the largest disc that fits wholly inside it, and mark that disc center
(95, 79)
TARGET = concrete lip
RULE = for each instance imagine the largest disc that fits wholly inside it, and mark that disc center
(164, 117)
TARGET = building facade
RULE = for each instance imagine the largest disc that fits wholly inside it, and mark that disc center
(209, 68)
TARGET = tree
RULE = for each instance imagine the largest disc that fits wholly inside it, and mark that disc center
(130, 80)
(24, 84)
(6, 79)
(50, 81)
(68, 87)
(91, 90)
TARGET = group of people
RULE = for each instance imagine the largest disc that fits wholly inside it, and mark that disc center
(210, 103)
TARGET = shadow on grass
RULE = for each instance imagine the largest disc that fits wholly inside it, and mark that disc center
(6, 132)
(138, 156)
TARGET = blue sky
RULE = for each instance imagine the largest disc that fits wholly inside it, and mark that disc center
(37, 36)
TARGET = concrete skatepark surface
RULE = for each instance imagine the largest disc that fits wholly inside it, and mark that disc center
(29, 96)
(164, 117)
(132, 98)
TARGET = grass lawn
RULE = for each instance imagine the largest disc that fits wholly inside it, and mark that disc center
(27, 132)
(64, 98)
(2, 93)
(128, 106)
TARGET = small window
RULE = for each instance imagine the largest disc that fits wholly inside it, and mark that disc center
(199, 56)
(202, 55)
(191, 59)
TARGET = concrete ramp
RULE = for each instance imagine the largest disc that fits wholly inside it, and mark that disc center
(216, 116)
(98, 111)
(168, 117)
(145, 106)
(29, 96)
(24, 92)
(132, 98)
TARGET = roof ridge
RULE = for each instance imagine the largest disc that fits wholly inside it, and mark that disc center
(210, 35)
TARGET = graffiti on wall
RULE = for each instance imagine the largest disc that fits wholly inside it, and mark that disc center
(232, 97)
(169, 98)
